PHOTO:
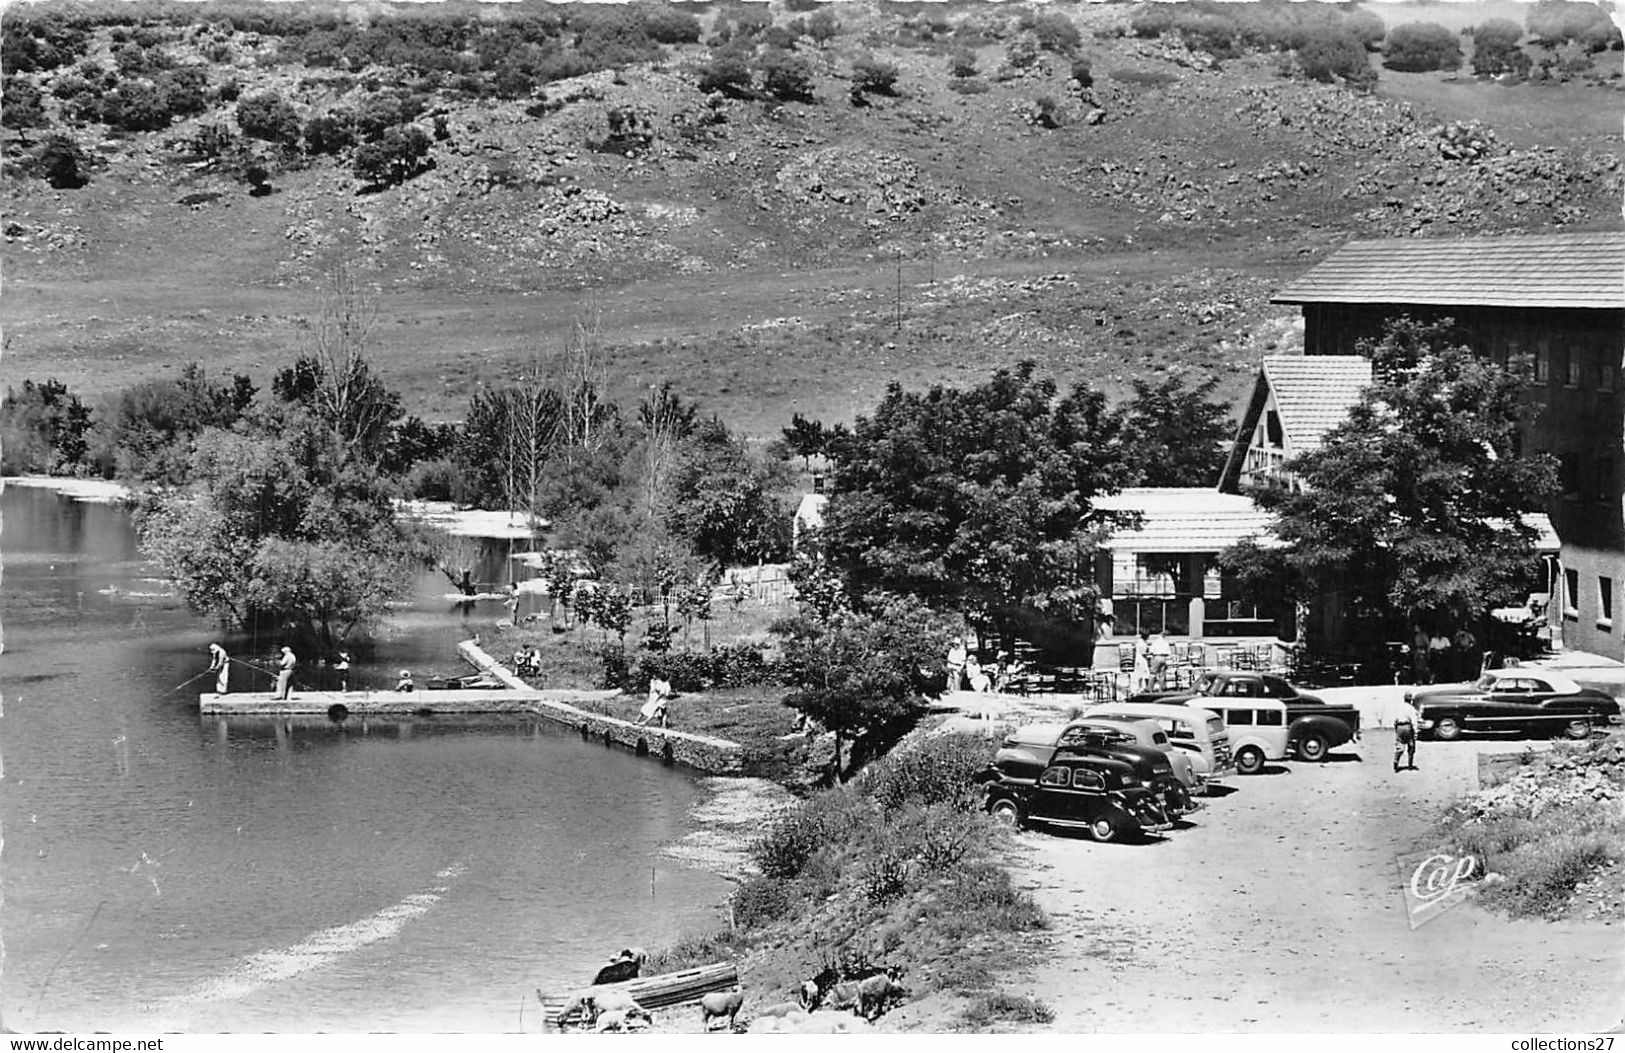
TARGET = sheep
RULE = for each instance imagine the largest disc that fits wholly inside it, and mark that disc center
(593, 1004)
(843, 995)
(876, 991)
(809, 995)
(781, 1010)
(720, 1004)
(622, 967)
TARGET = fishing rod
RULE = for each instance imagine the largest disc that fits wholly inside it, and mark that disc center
(300, 687)
(200, 676)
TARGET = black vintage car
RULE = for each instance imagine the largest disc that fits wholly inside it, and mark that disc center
(1531, 701)
(1104, 796)
(1029, 749)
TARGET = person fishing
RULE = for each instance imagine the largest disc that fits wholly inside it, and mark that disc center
(284, 676)
(220, 666)
(342, 667)
(405, 682)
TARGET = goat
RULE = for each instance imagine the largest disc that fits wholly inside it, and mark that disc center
(719, 1004)
(876, 991)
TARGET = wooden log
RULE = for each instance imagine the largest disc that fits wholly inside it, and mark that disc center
(652, 992)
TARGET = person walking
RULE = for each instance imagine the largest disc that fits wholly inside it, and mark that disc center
(513, 603)
(1407, 725)
(1160, 653)
(1140, 676)
(220, 666)
(956, 663)
(284, 676)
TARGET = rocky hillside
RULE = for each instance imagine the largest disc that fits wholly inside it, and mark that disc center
(1131, 218)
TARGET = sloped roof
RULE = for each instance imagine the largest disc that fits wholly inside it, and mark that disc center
(1186, 519)
(1542, 270)
(1314, 393)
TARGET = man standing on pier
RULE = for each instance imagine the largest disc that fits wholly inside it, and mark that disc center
(220, 666)
(284, 676)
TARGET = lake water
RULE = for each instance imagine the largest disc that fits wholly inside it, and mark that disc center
(163, 871)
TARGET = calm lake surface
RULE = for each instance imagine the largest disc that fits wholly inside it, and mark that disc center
(162, 871)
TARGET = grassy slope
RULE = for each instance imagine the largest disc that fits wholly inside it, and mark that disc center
(795, 258)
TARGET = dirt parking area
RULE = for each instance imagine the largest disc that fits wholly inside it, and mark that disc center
(1280, 909)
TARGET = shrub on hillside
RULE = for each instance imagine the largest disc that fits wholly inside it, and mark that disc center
(20, 104)
(135, 106)
(962, 63)
(332, 132)
(785, 75)
(822, 25)
(1337, 56)
(760, 901)
(1495, 43)
(269, 117)
(1421, 47)
(937, 769)
(61, 163)
(1554, 22)
(1053, 31)
(728, 72)
(873, 76)
(396, 156)
(43, 428)
(185, 91)
(668, 24)
(791, 841)
(1083, 73)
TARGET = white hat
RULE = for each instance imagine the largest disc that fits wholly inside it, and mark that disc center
(406, 674)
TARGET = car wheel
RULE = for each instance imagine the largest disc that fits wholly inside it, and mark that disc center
(1104, 829)
(1249, 760)
(1007, 812)
(1447, 728)
(1578, 729)
(1312, 747)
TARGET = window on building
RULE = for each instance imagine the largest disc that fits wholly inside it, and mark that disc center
(1272, 429)
(1605, 602)
(1573, 361)
(1568, 473)
(1602, 480)
(1571, 594)
(1543, 361)
(1606, 372)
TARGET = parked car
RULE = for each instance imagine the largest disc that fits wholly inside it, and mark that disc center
(1314, 726)
(1197, 733)
(1028, 750)
(1518, 699)
(1099, 794)
(1257, 728)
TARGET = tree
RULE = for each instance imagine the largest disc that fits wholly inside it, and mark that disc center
(724, 501)
(185, 91)
(1174, 435)
(728, 71)
(43, 428)
(805, 438)
(863, 675)
(1414, 507)
(1418, 47)
(872, 76)
(270, 117)
(397, 156)
(1332, 56)
(1556, 22)
(330, 133)
(135, 106)
(1494, 44)
(22, 109)
(148, 429)
(1054, 32)
(980, 500)
(336, 382)
(785, 75)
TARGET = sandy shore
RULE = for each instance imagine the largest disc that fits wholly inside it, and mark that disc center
(95, 491)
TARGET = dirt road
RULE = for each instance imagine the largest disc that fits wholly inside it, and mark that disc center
(1280, 910)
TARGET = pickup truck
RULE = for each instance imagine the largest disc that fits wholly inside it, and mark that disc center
(1315, 726)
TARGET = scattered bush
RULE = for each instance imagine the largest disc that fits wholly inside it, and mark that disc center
(61, 163)
(1495, 43)
(962, 63)
(269, 117)
(873, 76)
(1082, 73)
(332, 132)
(1337, 56)
(135, 106)
(185, 91)
(397, 156)
(936, 769)
(728, 72)
(1421, 47)
(43, 428)
(970, 86)
(822, 26)
(759, 901)
(1555, 22)
(885, 876)
(1053, 31)
(22, 107)
(785, 75)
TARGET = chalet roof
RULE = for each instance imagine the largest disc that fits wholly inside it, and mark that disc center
(1314, 393)
(1542, 270)
(1186, 519)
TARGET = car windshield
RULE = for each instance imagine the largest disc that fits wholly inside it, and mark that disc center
(1159, 738)
(1487, 682)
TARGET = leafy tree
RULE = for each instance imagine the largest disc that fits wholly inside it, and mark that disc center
(43, 428)
(785, 75)
(135, 106)
(863, 675)
(978, 500)
(1334, 56)
(393, 159)
(344, 393)
(1174, 435)
(1494, 44)
(1414, 506)
(148, 429)
(725, 501)
(1555, 22)
(728, 72)
(805, 438)
(822, 25)
(270, 117)
(332, 132)
(1418, 47)
(872, 76)
(22, 107)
